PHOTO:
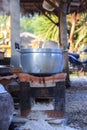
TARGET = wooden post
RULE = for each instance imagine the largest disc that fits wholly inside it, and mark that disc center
(59, 103)
(63, 37)
(15, 30)
(25, 100)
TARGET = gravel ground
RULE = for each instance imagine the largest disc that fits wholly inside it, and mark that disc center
(76, 102)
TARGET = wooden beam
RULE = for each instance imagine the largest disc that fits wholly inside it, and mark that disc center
(75, 3)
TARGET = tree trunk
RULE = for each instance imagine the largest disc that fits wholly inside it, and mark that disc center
(73, 23)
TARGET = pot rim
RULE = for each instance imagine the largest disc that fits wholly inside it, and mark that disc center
(41, 50)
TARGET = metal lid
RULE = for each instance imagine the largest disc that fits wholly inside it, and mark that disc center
(41, 50)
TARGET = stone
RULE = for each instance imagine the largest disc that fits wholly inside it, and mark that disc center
(6, 108)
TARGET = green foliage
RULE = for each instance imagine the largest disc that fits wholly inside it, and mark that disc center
(42, 26)
(48, 29)
(81, 30)
(80, 34)
(3, 19)
(25, 25)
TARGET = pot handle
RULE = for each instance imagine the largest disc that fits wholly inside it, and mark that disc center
(17, 46)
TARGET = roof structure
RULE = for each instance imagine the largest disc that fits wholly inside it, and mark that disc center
(35, 6)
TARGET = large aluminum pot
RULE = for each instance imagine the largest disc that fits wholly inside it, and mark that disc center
(42, 61)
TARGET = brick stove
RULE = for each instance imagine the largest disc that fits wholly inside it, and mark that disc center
(42, 87)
